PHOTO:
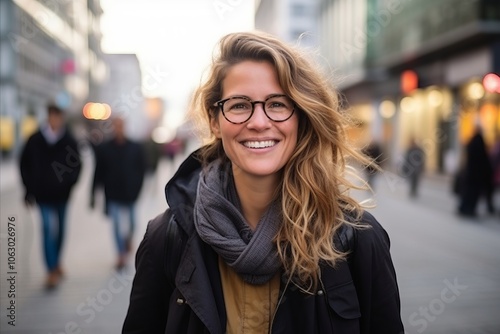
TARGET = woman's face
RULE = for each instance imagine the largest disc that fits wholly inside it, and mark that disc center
(260, 146)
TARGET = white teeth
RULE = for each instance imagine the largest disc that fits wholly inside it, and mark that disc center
(259, 144)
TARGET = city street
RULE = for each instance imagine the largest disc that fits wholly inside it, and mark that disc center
(448, 268)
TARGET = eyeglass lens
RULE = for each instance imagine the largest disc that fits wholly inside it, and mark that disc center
(240, 109)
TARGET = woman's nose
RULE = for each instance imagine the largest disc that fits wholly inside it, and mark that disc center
(259, 118)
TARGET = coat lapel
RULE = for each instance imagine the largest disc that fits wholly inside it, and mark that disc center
(201, 288)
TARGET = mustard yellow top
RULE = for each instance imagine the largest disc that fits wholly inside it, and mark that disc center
(249, 307)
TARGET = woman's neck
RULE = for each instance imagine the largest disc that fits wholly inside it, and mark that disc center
(255, 194)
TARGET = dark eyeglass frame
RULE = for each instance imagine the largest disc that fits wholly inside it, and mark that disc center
(220, 104)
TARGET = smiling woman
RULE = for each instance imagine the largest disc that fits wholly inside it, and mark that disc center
(261, 234)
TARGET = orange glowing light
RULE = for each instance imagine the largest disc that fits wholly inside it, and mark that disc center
(97, 111)
(409, 81)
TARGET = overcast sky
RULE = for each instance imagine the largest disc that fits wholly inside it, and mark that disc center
(173, 39)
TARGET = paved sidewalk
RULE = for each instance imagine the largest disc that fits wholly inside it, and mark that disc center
(93, 297)
(9, 175)
(448, 267)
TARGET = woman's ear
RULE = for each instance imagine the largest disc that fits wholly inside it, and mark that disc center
(214, 126)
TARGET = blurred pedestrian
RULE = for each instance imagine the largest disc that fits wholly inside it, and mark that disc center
(374, 152)
(153, 151)
(414, 166)
(173, 148)
(50, 166)
(495, 162)
(119, 169)
(261, 234)
(477, 176)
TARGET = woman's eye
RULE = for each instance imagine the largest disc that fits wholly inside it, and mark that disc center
(241, 106)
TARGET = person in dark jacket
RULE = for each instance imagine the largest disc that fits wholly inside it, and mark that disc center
(374, 152)
(120, 165)
(50, 166)
(260, 234)
(477, 176)
(414, 166)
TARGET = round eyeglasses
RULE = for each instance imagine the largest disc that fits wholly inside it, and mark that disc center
(239, 109)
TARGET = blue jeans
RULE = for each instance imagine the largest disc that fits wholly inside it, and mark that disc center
(54, 221)
(123, 217)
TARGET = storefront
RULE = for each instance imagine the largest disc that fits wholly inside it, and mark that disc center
(480, 106)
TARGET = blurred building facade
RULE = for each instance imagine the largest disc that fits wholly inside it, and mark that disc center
(49, 52)
(291, 20)
(416, 69)
(122, 91)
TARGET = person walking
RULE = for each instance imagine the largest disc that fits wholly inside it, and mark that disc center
(120, 165)
(477, 176)
(414, 165)
(260, 234)
(50, 165)
(373, 151)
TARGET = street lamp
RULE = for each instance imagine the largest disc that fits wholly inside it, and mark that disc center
(387, 109)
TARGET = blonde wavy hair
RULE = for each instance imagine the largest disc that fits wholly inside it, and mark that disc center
(314, 190)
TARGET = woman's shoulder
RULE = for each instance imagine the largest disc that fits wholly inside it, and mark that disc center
(164, 232)
(370, 232)
(361, 231)
(157, 227)
(151, 251)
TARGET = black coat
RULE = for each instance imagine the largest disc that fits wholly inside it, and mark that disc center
(49, 171)
(120, 169)
(478, 167)
(360, 296)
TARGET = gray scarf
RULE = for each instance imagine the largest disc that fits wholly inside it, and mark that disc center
(219, 222)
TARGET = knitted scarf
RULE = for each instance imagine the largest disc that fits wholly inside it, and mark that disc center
(220, 223)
